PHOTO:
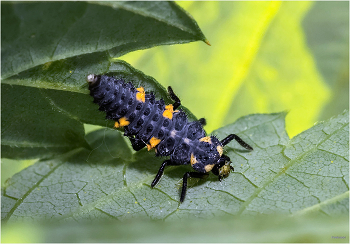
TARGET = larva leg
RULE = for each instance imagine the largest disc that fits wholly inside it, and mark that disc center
(184, 182)
(161, 170)
(203, 121)
(136, 144)
(238, 139)
(172, 95)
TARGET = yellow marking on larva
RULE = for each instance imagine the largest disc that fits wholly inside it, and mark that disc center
(168, 112)
(208, 167)
(220, 150)
(141, 95)
(122, 122)
(206, 139)
(152, 143)
(193, 159)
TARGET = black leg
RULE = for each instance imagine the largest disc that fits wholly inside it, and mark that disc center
(238, 139)
(202, 121)
(172, 95)
(184, 182)
(161, 170)
(136, 144)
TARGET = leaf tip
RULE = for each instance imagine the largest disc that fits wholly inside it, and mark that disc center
(207, 42)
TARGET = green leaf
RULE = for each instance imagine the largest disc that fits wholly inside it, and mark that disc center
(306, 174)
(307, 171)
(35, 33)
(33, 127)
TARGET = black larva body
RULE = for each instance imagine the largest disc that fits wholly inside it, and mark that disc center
(149, 122)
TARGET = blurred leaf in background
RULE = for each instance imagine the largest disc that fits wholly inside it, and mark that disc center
(327, 36)
(265, 57)
(227, 228)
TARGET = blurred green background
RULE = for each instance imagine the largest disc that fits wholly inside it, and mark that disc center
(264, 57)
(228, 229)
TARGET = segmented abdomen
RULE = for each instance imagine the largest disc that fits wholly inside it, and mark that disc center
(146, 118)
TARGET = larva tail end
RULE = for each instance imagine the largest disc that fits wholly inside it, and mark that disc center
(91, 79)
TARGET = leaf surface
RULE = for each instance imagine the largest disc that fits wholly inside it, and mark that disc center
(41, 32)
(306, 174)
(32, 126)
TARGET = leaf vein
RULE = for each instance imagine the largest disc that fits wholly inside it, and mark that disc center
(20, 201)
(53, 104)
(318, 206)
(321, 149)
(158, 18)
(228, 193)
(110, 215)
(160, 192)
(63, 36)
(283, 170)
(138, 202)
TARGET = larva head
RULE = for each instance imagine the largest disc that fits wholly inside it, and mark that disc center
(223, 167)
